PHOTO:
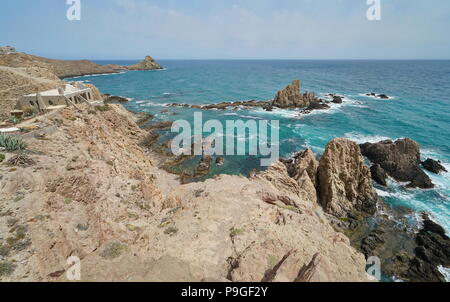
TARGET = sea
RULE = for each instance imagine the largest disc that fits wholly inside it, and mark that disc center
(419, 108)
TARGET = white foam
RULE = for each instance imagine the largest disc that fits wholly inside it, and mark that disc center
(445, 272)
(364, 138)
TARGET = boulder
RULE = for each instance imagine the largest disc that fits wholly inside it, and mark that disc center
(379, 175)
(433, 166)
(344, 181)
(383, 96)
(337, 99)
(400, 159)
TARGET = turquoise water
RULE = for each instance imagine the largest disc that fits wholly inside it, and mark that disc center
(419, 108)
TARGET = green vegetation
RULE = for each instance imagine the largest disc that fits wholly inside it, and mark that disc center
(236, 232)
(12, 143)
(6, 268)
(2, 157)
(171, 231)
(102, 108)
(113, 250)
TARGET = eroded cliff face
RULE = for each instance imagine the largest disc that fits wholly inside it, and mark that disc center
(344, 181)
(94, 193)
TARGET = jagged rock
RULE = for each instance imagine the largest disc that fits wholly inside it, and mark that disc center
(148, 64)
(433, 166)
(383, 96)
(301, 162)
(344, 181)
(114, 99)
(291, 97)
(379, 175)
(433, 250)
(400, 159)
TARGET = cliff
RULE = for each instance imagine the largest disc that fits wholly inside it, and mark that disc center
(88, 189)
(68, 68)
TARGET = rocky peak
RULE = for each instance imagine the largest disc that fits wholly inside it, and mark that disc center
(344, 181)
(291, 97)
(147, 64)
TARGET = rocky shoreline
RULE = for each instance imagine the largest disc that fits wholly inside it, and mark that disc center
(67, 69)
(93, 182)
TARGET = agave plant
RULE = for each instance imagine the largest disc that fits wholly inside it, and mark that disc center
(12, 143)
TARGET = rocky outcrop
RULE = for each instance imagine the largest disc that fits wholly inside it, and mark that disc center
(291, 97)
(378, 96)
(400, 159)
(114, 99)
(147, 64)
(433, 166)
(344, 181)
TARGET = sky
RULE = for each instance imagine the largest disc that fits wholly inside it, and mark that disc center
(228, 29)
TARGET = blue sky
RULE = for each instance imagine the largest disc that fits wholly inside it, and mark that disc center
(228, 29)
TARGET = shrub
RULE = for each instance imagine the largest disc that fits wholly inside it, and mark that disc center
(2, 157)
(12, 143)
(102, 108)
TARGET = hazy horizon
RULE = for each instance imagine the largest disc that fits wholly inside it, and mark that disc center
(228, 30)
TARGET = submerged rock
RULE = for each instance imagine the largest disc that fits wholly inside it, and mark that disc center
(337, 99)
(433, 166)
(400, 159)
(344, 181)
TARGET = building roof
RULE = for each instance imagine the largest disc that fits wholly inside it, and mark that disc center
(68, 91)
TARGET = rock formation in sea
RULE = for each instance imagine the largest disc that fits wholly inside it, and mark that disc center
(400, 159)
(433, 166)
(344, 181)
(291, 97)
(147, 64)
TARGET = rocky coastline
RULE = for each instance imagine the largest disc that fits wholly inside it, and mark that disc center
(67, 69)
(93, 182)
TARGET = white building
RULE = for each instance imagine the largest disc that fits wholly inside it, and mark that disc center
(69, 94)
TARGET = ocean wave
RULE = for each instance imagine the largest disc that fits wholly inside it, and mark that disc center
(365, 138)
(445, 272)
